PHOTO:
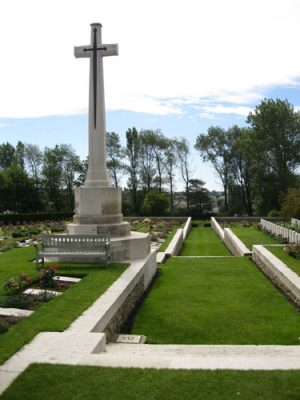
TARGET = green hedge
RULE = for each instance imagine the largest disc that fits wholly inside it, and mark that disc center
(34, 217)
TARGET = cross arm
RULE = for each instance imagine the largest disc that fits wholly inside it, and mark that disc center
(103, 49)
(111, 50)
(79, 51)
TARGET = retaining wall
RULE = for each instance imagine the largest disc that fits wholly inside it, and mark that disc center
(282, 276)
(217, 228)
(112, 309)
(176, 244)
(234, 244)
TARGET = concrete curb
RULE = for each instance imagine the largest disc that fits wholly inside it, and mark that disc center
(217, 228)
(234, 244)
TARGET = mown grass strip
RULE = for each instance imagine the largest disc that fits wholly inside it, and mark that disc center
(44, 381)
(203, 242)
(216, 301)
(165, 244)
(251, 235)
(60, 312)
(290, 261)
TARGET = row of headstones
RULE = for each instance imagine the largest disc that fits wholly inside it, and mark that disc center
(288, 234)
(295, 222)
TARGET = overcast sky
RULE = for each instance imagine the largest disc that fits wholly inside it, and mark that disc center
(182, 66)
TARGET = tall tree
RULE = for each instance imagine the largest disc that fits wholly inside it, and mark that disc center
(33, 161)
(147, 158)
(242, 167)
(171, 160)
(59, 171)
(132, 153)
(115, 156)
(215, 147)
(199, 197)
(276, 128)
(183, 153)
(20, 155)
(7, 155)
(160, 147)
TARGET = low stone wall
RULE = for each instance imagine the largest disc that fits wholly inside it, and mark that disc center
(234, 244)
(217, 228)
(282, 276)
(111, 310)
(187, 227)
(176, 244)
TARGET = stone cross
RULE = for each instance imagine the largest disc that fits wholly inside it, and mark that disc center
(97, 172)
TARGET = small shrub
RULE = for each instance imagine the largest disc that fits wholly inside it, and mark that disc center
(293, 250)
(18, 301)
(17, 285)
(20, 234)
(46, 277)
(274, 213)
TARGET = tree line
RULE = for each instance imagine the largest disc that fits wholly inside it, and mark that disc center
(257, 165)
(36, 180)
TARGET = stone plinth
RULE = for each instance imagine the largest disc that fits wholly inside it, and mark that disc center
(98, 210)
(131, 247)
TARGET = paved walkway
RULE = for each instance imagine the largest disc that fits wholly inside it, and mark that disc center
(75, 349)
(197, 357)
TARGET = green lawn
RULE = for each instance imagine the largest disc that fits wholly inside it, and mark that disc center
(250, 236)
(216, 301)
(290, 261)
(60, 312)
(170, 236)
(60, 382)
(203, 242)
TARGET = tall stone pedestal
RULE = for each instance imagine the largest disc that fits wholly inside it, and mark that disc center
(98, 210)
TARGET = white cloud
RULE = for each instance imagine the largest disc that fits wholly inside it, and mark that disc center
(220, 109)
(182, 51)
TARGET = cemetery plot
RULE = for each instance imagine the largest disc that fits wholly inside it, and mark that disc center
(252, 235)
(149, 384)
(291, 262)
(216, 301)
(203, 241)
(61, 311)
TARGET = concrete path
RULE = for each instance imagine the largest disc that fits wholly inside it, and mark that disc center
(79, 349)
(244, 357)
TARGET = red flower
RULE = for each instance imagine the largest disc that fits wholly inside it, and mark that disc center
(54, 267)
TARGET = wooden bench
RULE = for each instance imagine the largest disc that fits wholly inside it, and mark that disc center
(76, 246)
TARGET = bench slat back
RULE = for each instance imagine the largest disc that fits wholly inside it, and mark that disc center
(75, 242)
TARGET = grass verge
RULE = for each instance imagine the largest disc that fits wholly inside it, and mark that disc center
(170, 236)
(251, 235)
(61, 311)
(44, 381)
(203, 242)
(290, 261)
(216, 301)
